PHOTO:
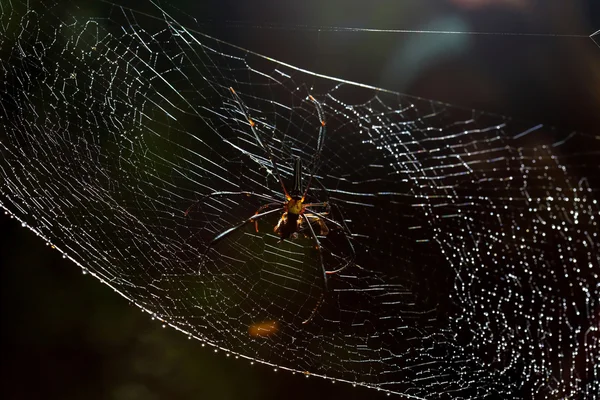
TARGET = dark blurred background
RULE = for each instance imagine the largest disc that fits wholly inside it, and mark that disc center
(66, 336)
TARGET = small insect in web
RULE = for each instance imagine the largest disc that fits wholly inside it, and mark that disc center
(297, 216)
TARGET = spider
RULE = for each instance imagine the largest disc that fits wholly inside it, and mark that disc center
(297, 215)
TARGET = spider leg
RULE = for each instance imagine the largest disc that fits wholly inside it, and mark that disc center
(252, 123)
(229, 231)
(320, 142)
(325, 279)
(322, 225)
(347, 233)
(227, 193)
(314, 311)
(265, 206)
(322, 215)
(323, 204)
(343, 227)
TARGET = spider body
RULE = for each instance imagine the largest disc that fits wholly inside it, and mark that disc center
(289, 223)
(297, 216)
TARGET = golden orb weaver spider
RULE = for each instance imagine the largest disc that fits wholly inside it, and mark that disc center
(297, 215)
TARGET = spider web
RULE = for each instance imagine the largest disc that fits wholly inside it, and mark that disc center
(596, 37)
(476, 237)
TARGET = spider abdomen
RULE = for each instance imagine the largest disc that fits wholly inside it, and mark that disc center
(288, 225)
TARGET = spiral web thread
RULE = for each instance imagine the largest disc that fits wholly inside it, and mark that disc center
(476, 267)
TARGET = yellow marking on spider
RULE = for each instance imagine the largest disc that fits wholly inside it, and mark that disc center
(295, 206)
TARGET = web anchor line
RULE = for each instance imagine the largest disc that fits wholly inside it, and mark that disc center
(326, 28)
(595, 35)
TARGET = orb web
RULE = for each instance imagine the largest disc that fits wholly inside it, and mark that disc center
(475, 236)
